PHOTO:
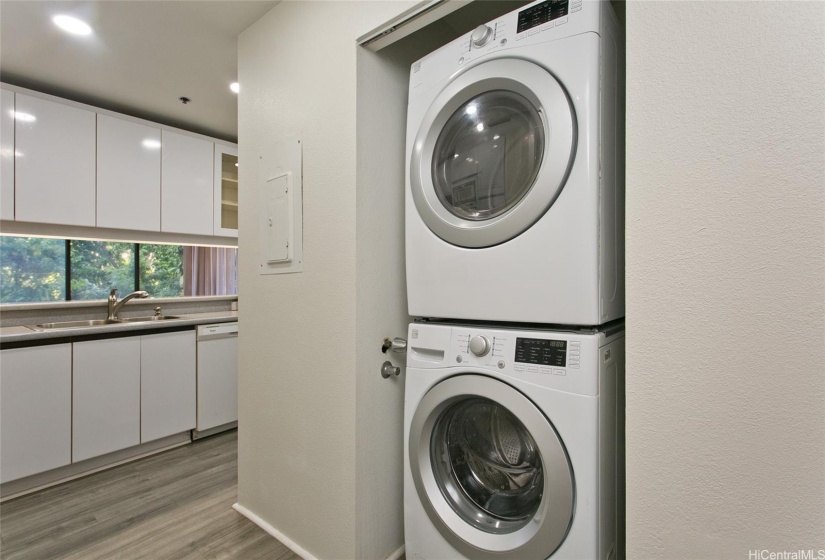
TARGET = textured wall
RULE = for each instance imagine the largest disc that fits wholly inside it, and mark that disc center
(297, 442)
(725, 278)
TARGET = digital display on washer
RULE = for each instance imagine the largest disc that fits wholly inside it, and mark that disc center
(541, 14)
(541, 351)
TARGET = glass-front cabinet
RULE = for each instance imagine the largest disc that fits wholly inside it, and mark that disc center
(226, 191)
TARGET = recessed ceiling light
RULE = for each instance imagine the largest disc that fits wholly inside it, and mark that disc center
(72, 25)
(235, 86)
(151, 144)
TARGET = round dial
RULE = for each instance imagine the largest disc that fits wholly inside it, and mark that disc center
(481, 35)
(480, 345)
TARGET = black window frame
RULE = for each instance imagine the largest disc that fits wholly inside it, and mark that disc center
(136, 277)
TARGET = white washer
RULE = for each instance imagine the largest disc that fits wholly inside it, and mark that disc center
(510, 443)
(515, 143)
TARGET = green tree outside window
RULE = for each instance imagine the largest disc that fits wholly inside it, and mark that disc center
(35, 269)
(32, 269)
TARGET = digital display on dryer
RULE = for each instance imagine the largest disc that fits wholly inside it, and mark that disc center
(541, 14)
(541, 351)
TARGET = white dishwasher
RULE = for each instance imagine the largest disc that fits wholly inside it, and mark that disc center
(217, 379)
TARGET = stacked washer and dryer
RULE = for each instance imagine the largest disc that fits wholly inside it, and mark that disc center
(515, 270)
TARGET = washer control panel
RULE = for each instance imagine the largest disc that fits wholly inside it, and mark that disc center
(516, 352)
(565, 360)
(479, 345)
(541, 351)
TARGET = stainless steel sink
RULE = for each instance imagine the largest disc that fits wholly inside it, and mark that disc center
(97, 323)
(72, 325)
(152, 318)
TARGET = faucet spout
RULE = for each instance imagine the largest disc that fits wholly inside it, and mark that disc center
(115, 305)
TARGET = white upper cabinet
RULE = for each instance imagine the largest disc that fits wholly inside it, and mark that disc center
(128, 174)
(186, 184)
(7, 155)
(63, 163)
(226, 191)
(54, 162)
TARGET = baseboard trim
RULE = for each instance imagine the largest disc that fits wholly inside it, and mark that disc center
(196, 435)
(286, 541)
(398, 553)
(36, 482)
(289, 543)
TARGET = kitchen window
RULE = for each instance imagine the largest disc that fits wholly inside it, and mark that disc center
(35, 269)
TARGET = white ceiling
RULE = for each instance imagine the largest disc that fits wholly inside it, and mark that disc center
(142, 56)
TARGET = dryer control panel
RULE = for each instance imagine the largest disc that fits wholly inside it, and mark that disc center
(537, 22)
(544, 12)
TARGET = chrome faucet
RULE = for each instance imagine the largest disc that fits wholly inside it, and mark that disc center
(115, 305)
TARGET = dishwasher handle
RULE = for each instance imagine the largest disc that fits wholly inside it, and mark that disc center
(217, 331)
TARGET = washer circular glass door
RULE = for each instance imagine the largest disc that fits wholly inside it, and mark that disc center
(492, 153)
(490, 469)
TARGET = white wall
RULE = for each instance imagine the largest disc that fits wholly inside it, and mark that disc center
(381, 300)
(725, 278)
(726, 261)
(297, 438)
(381, 297)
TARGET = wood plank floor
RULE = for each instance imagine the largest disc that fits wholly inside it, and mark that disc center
(174, 505)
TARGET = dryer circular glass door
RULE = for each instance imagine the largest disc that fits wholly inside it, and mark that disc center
(490, 469)
(492, 153)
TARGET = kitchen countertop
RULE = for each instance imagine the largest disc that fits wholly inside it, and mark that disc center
(24, 334)
(78, 304)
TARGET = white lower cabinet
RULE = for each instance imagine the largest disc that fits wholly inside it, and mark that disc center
(65, 403)
(106, 412)
(35, 410)
(167, 389)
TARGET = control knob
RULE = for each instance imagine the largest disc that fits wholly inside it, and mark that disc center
(481, 35)
(480, 345)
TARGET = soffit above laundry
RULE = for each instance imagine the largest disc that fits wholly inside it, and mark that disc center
(140, 59)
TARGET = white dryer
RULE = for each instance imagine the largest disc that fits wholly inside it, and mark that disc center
(515, 143)
(510, 443)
